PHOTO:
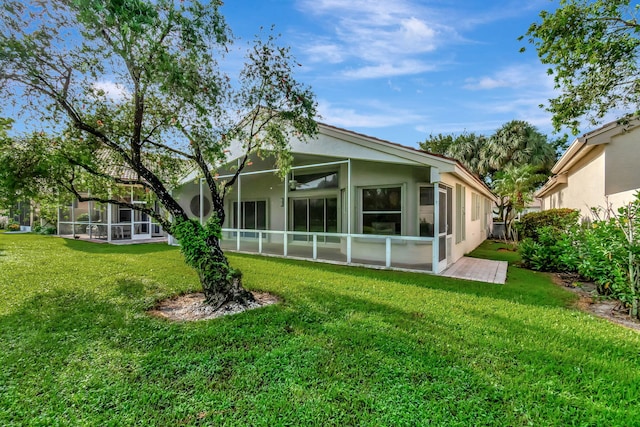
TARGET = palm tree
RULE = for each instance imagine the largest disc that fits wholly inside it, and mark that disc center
(471, 150)
(520, 143)
(514, 186)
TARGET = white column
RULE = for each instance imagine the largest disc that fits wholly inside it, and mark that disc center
(58, 223)
(349, 213)
(90, 206)
(387, 262)
(109, 213)
(73, 219)
(133, 214)
(238, 214)
(315, 246)
(435, 247)
(286, 216)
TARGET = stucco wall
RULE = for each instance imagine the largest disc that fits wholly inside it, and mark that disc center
(475, 233)
(622, 163)
(584, 187)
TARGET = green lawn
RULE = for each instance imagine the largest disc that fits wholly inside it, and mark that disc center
(348, 346)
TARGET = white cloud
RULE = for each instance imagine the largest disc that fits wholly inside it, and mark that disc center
(325, 52)
(511, 77)
(113, 91)
(377, 115)
(382, 40)
(389, 70)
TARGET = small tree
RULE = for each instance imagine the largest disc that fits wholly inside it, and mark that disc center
(514, 187)
(627, 219)
(592, 49)
(136, 85)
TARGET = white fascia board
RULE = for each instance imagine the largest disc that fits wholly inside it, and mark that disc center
(401, 154)
(474, 182)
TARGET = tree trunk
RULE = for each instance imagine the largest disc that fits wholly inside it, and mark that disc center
(220, 283)
(200, 246)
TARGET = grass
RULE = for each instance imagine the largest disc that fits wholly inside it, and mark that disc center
(348, 346)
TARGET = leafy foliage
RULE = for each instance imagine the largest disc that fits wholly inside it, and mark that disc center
(514, 187)
(592, 48)
(602, 258)
(516, 143)
(607, 252)
(132, 94)
(558, 219)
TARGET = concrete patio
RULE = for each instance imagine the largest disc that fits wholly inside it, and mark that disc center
(480, 270)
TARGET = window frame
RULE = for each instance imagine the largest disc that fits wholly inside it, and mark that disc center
(400, 212)
(234, 216)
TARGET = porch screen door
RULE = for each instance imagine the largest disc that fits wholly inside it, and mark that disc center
(141, 225)
(443, 227)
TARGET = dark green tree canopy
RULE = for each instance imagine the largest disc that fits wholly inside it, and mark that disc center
(592, 49)
(514, 144)
(138, 85)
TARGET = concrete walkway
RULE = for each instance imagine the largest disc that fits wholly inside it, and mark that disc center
(480, 270)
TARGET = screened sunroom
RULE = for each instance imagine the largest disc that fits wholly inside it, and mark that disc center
(350, 199)
(109, 222)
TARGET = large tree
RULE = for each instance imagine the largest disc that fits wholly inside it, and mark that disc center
(137, 85)
(470, 149)
(514, 144)
(592, 48)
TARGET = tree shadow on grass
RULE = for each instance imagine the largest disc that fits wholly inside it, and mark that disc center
(540, 293)
(485, 348)
(105, 248)
(324, 358)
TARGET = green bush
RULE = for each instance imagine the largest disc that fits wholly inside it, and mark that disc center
(559, 219)
(49, 230)
(13, 226)
(552, 251)
(40, 229)
(603, 258)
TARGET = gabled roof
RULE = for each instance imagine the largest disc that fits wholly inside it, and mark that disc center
(580, 147)
(414, 155)
(332, 141)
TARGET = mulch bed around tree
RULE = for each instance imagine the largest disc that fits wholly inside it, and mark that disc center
(191, 307)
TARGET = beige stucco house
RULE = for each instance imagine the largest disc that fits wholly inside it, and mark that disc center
(599, 169)
(352, 199)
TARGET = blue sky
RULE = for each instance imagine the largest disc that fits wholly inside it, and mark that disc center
(403, 69)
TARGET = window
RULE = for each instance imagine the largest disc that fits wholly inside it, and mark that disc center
(319, 215)
(382, 210)
(315, 181)
(475, 206)
(460, 214)
(253, 215)
(426, 216)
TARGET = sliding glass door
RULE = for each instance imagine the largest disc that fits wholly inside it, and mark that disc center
(315, 215)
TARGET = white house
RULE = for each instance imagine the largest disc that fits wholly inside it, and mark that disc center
(599, 169)
(353, 199)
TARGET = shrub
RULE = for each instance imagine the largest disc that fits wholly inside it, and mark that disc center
(49, 230)
(559, 219)
(601, 254)
(554, 250)
(13, 226)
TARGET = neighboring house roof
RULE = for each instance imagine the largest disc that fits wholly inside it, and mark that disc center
(580, 147)
(365, 147)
